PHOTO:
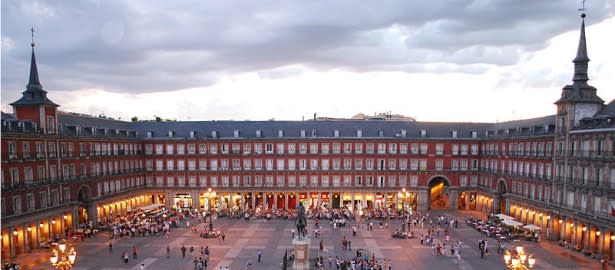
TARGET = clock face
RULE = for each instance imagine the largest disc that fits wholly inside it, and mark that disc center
(584, 110)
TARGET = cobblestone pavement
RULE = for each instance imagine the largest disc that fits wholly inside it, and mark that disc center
(243, 239)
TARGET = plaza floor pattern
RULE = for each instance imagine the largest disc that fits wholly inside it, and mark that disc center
(273, 238)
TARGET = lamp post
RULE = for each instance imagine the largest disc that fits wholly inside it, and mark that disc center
(403, 194)
(520, 260)
(63, 259)
(210, 195)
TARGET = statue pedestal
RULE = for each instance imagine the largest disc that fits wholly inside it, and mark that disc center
(302, 248)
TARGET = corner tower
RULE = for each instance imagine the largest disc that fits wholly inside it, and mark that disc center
(578, 100)
(34, 104)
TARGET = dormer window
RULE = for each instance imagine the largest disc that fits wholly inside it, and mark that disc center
(404, 132)
(313, 133)
(423, 133)
(259, 133)
(236, 133)
(303, 133)
(336, 133)
(359, 133)
(150, 134)
(380, 133)
(280, 133)
(192, 134)
(454, 134)
(171, 134)
(474, 134)
(214, 134)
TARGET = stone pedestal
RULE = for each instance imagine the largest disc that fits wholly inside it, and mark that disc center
(302, 254)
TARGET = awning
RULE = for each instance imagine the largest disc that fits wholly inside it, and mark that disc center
(511, 222)
(532, 227)
(502, 216)
(150, 207)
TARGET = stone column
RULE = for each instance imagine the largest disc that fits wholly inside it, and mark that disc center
(50, 227)
(75, 219)
(62, 227)
(26, 239)
(275, 200)
(600, 241)
(93, 214)
(13, 251)
(423, 203)
(37, 231)
(285, 200)
(253, 200)
(194, 195)
(574, 233)
(453, 199)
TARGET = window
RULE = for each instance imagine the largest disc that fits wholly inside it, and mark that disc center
(423, 164)
(213, 149)
(292, 148)
(392, 148)
(181, 150)
(336, 148)
(170, 149)
(247, 148)
(347, 148)
(439, 149)
(302, 148)
(439, 164)
(29, 201)
(381, 148)
(464, 149)
(170, 164)
(424, 147)
(414, 181)
(313, 148)
(17, 204)
(269, 148)
(369, 148)
(280, 148)
(358, 148)
(191, 149)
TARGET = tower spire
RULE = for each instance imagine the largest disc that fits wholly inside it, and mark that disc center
(581, 61)
(34, 82)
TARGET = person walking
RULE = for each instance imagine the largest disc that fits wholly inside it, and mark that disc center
(183, 249)
(259, 254)
(168, 251)
(134, 252)
(110, 247)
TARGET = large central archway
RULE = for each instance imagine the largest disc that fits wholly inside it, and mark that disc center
(83, 199)
(500, 202)
(438, 193)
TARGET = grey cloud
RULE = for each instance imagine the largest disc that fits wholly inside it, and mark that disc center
(146, 46)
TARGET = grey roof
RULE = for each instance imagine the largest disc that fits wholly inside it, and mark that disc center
(532, 126)
(73, 119)
(7, 116)
(319, 128)
(607, 111)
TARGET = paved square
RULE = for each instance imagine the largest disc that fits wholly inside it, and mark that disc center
(243, 239)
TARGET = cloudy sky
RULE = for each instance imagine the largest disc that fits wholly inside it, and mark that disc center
(456, 60)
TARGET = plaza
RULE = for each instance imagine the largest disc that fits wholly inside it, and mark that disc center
(273, 238)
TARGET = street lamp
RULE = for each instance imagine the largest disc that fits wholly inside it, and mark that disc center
(63, 259)
(403, 194)
(211, 195)
(520, 260)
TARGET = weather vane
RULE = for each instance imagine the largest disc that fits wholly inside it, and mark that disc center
(32, 30)
(582, 9)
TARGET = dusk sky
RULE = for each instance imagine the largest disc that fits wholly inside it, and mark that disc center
(478, 61)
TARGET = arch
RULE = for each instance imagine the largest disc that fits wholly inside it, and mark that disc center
(499, 204)
(83, 196)
(434, 180)
(438, 192)
(501, 187)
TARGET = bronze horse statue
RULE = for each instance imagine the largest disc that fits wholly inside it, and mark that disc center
(301, 221)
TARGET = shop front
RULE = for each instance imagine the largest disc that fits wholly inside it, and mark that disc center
(335, 201)
(182, 201)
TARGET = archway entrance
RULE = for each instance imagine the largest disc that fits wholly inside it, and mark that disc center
(83, 198)
(501, 202)
(438, 193)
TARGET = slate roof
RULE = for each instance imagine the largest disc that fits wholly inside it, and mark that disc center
(34, 94)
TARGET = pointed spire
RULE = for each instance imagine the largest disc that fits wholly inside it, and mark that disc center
(581, 61)
(34, 81)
